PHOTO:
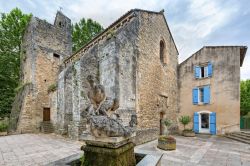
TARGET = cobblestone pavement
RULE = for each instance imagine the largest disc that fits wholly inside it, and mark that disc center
(35, 149)
(202, 151)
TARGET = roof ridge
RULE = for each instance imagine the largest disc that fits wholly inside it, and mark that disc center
(112, 25)
(101, 33)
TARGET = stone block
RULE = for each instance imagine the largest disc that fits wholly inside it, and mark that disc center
(102, 156)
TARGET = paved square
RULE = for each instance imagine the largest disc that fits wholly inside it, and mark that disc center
(202, 151)
(42, 149)
(35, 149)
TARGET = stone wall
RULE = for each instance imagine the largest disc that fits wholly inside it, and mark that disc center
(156, 83)
(111, 62)
(224, 86)
(40, 66)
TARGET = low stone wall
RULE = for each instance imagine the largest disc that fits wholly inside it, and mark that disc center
(145, 135)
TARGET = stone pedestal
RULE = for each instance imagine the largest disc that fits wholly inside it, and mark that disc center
(111, 151)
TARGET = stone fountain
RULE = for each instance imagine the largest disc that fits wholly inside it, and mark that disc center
(108, 140)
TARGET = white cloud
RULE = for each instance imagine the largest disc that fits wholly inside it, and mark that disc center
(245, 69)
(202, 19)
(106, 12)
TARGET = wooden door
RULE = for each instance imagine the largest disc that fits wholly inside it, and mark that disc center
(161, 123)
(46, 114)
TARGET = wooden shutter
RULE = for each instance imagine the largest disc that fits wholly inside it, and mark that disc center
(213, 123)
(196, 122)
(210, 69)
(195, 96)
(206, 94)
(197, 71)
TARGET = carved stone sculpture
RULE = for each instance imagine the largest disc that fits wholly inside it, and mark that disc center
(101, 114)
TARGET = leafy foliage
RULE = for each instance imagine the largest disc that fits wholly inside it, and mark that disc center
(52, 88)
(185, 120)
(166, 138)
(244, 97)
(12, 28)
(3, 126)
(84, 31)
(167, 122)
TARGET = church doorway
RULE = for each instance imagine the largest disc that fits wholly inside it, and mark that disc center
(46, 114)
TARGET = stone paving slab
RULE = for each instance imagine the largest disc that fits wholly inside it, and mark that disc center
(36, 149)
(201, 151)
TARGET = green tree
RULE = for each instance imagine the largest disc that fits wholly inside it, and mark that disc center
(83, 32)
(244, 97)
(12, 28)
(185, 120)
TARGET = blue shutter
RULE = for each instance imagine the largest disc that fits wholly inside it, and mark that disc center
(213, 123)
(206, 94)
(196, 122)
(197, 71)
(195, 96)
(210, 69)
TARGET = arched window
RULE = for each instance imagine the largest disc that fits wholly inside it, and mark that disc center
(162, 52)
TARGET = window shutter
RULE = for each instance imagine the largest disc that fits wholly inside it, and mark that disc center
(197, 70)
(210, 69)
(213, 123)
(206, 94)
(195, 96)
(196, 122)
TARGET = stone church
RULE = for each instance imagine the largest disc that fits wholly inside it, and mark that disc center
(136, 60)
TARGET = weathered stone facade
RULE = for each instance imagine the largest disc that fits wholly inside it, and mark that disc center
(43, 49)
(156, 81)
(135, 59)
(127, 62)
(224, 85)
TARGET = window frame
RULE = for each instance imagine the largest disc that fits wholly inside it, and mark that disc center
(162, 52)
(205, 68)
(199, 95)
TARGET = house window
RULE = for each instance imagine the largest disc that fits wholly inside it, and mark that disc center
(203, 71)
(56, 55)
(201, 95)
(162, 52)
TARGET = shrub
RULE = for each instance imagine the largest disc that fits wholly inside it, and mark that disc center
(167, 122)
(3, 126)
(52, 88)
(185, 120)
(166, 138)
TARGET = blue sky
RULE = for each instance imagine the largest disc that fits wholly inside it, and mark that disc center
(193, 23)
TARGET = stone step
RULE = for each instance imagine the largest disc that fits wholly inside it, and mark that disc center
(240, 136)
(47, 127)
(24, 130)
(245, 134)
(238, 139)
